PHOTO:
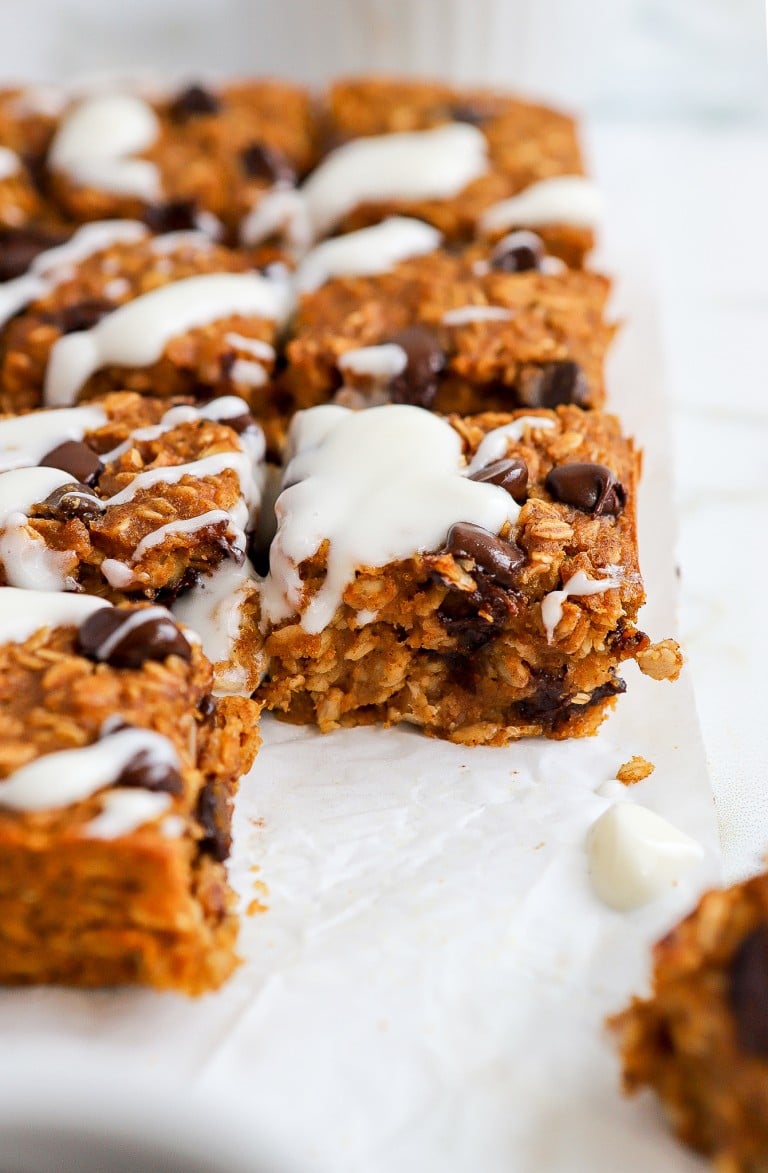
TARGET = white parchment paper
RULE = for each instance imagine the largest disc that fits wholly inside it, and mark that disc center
(427, 986)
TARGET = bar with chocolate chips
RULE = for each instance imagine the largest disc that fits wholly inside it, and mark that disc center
(700, 1040)
(469, 330)
(477, 577)
(117, 771)
(527, 169)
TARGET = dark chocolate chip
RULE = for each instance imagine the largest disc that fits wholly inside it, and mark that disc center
(495, 557)
(260, 161)
(418, 383)
(214, 816)
(146, 772)
(465, 112)
(511, 474)
(207, 705)
(474, 618)
(593, 488)
(151, 639)
(518, 253)
(171, 216)
(76, 458)
(193, 102)
(20, 246)
(75, 500)
(748, 992)
(549, 705)
(82, 316)
(552, 384)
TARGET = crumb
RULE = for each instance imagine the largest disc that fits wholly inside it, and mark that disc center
(634, 770)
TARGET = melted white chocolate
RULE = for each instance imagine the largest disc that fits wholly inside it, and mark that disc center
(23, 612)
(96, 141)
(635, 856)
(578, 585)
(564, 199)
(367, 251)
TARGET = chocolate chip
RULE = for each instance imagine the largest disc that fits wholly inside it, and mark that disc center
(265, 163)
(20, 246)
(592, 488)
(146, 772)
(193, 102)
(82, 316)
(518, 253)
(214, 816)
(551, 706)
(748, 992)
(418, 383)
(75, 500)
(76, 458)
(207, 705)
(552, 384)
(474, 618)
(240, 423)
(171, 216)
(511, 474)
(497, 558)
(152, 638)
(465, 112)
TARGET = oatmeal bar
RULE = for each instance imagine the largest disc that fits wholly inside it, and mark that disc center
(700, 1041)
(471, 162)
(476, 577)
(131, 498)
(487, 328)
(117, 308)
(117, 770)
(198, 157)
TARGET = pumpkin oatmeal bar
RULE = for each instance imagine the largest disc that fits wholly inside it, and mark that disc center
(486, 328)
(476, 577)
(117, 770)
(521, 150)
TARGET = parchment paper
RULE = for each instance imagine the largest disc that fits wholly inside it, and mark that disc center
(426, 988)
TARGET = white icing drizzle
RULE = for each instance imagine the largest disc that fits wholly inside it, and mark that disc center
(208, 466)
(577, 585)
(124, 811)
(465, 314)
(282, 212)
(380, 485)
(253, 346)
(635, 856)
(136, 334)
(121, 575)
(245, 372)
(27, 560)
(494, 445)
(222, 409)
(213, 609)
(417, 165)
(60, 779)
(367, 251)
(563, 199)
(96, 142)
(50, 268)
(10, 163)
(381, 363)
(23, 612)
(310, 428)
(171, 242)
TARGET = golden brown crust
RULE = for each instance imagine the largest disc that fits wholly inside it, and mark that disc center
(478, 668)
(147, 907)
(695, 1041)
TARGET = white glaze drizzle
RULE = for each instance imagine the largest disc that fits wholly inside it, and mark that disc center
(225, 408)
(136, 334)
(213, 610)
(96, 142)
(124, 811)
(252, 346)
(635, 856)
(417, 165)
(10, 163)
(23, 612)
(208, 466)
(465, 314)
(55, 265)
(68, 776)
(577, 585)
(246, 372)
(171, 242)
(380, 363)
(26, 558)
(380, 485)
(121, 575)
(282, 212)
(495, 444)
(563, 199)
(367, 251)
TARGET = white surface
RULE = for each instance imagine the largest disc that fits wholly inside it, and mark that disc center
(427, 989)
